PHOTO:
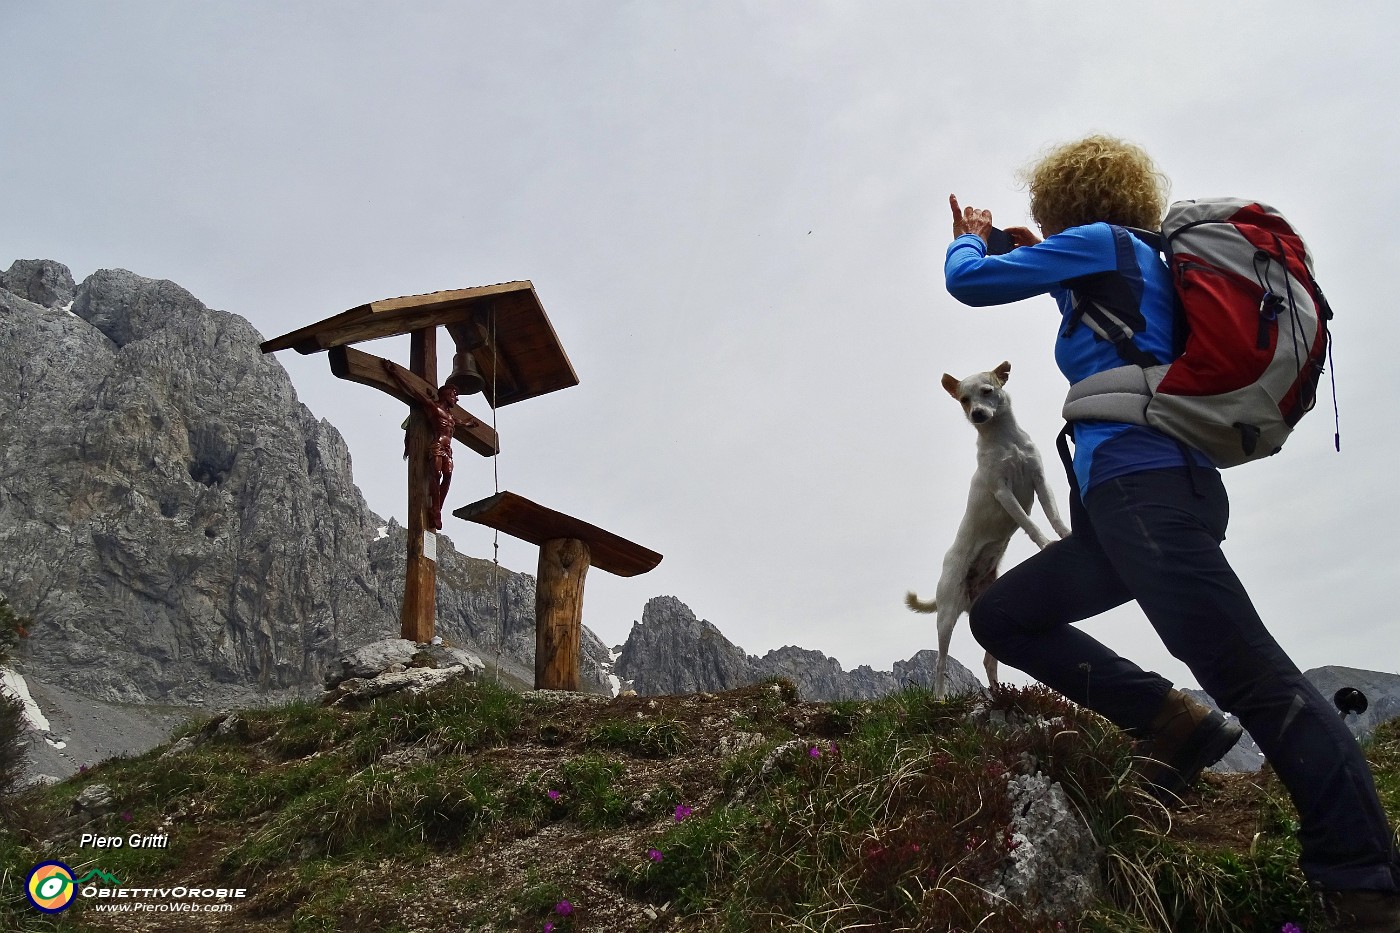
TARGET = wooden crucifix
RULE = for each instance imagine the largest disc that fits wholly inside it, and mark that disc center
(504, 333)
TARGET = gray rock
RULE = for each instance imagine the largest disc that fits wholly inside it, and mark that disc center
(41, 281)
(397, 655)
(95, 798)
(670, 651)
(1052, 868)
(441, 656)
(187, 744)
(413, 682)
(371, 660)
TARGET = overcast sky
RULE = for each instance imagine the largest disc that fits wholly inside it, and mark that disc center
(735, 216)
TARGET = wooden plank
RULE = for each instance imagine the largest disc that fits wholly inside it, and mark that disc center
(521, 518)
(524, 360)
(390, 309)
(418, 618)
(559, 613)
(366, 369)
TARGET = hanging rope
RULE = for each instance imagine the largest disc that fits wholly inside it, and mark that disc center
(496, 481)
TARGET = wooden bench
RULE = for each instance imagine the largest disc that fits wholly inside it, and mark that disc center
(568, 547)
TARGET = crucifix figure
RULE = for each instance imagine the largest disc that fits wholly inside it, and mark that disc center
(444, 424)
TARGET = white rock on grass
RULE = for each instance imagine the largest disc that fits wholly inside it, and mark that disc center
(411, 682)
(371, 660)
(1053, 868)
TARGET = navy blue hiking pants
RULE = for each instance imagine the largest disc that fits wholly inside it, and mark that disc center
(1154, 536)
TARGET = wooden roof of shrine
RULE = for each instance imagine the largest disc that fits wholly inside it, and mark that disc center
(503, 327)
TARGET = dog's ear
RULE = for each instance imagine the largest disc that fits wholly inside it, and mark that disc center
(950, 383)
(1003, 372)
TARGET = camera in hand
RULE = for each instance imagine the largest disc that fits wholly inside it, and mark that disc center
(998, 242)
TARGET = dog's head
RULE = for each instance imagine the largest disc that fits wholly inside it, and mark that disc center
(981, 395)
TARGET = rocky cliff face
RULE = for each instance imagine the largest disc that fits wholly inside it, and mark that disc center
(671, 651)
(177, 525)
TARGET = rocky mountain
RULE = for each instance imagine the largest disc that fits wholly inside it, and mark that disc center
(179, 528)
(671, 651)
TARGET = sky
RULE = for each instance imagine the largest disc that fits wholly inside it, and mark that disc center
(734, 215)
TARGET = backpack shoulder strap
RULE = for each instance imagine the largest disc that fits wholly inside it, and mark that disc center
(1108, 303)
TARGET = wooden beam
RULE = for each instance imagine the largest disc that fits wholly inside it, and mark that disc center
(521, 518)
(417, 621)
(559, 613)
(367, 369)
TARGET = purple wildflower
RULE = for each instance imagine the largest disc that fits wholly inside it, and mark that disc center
(815, 752)
(563, 908)
(1291, 928)
(682, 811)
(126, 816)
(554, 795)
(654, 855)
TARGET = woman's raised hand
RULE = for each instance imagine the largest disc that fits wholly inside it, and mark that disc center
(969, 219)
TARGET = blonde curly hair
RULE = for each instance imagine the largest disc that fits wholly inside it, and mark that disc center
(1097, 178)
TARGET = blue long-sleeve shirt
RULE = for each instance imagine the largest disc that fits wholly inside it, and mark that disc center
(1102, 449)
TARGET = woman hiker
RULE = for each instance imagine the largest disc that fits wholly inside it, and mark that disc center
(1148, 515)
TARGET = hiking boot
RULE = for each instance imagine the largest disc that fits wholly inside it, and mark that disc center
(1185, 738)
(1361, 911)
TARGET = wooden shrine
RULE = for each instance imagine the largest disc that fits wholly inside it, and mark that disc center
(506, 349)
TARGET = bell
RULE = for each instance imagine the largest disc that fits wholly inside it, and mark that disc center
(465, 374)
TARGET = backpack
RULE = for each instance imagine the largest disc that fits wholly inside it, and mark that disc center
(1252, 333)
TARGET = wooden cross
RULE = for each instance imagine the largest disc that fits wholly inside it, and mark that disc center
(505, 331)
(503, 328)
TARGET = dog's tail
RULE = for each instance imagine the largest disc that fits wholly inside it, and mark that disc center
(913, 602)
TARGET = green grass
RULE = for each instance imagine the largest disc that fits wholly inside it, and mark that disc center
(885, 815)
(644, 738)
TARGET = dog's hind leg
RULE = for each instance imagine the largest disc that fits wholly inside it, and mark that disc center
(947, 620)
(990, 664)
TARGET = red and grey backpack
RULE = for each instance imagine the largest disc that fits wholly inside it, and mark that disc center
(1252, 334)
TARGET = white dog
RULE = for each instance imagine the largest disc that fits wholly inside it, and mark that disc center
(1008, 473)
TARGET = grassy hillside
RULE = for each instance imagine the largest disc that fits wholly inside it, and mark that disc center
(477, 808)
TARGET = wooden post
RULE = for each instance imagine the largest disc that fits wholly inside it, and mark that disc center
(420, 582)
(559, 612)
